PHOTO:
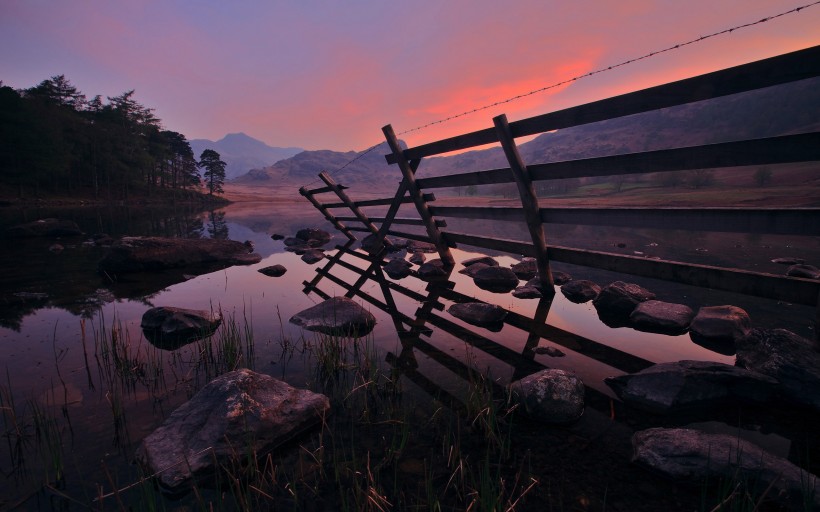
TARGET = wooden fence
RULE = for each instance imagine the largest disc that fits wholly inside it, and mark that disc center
(803, 147)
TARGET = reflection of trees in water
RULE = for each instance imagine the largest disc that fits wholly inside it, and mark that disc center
(217, 227)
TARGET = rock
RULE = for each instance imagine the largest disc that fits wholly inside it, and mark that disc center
(292, 241)
(697, 457)
(274, 270)
(102, 239)
(478, 313)
(617, 300)
(277, 236)
(432, 270)
(527, 292)
(495, 279)
(787, 357)
(313, 237)
(486, 260)
(720, 324)
(550, 351)
(139, 254)
(416, 246)
(368, 244)
(525, 269)
(398, 269)
(804, 271)
(535, 282)
(580, 291)
(170, 328)
(559, 278)
(44, 227)
(661, 317)
(473, 269)
(418, 258)
(311, 256)
(56, 248)
(789, 261)
(337, 316)
(684, 385)
(552, 396)
(238, 413)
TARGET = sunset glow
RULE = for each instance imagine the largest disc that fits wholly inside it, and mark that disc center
(329, 75)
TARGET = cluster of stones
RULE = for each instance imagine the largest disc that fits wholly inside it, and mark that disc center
(307, 243)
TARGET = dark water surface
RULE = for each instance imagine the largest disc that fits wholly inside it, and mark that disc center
(76, 404)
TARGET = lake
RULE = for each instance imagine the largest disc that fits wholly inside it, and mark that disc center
(418, 420)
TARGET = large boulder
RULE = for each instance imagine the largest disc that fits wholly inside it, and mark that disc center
(686, 385)
(720, 324)
(337, 316)
(551, 396)
(580, 290)
(661, 317)
(44, 227)
(478, 313)
(170, 328)
(496, 279)
(236, 414)
(140, 254)
(787, 357)
(696, 457)
(618, 300)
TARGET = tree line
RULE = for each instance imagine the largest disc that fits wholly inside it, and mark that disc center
(55, 141)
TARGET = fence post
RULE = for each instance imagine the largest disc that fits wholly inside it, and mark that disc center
(529, 201)
(421, 205)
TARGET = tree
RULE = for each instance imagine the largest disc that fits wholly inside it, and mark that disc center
(214, 174)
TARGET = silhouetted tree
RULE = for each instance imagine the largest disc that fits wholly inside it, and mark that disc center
(214, 174)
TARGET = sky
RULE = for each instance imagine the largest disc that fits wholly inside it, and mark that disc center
(321, 74)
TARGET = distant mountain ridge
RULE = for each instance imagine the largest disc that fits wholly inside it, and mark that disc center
(242, 153)
(768, 112)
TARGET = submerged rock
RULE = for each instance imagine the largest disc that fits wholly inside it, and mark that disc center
(337, 316)
(787, 357)
(661, 317)
(170, 328)
(697, 457)
(552, 396)
(685, 385)
(140, 254)
(239, 413)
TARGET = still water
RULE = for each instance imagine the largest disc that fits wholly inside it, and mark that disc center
(62, 399)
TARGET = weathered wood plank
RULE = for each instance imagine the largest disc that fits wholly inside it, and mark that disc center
(360, 215)
(380, 202)
(789, 221)
(381, 220)
(789, 289)
(766, 151)
(324, 190)
(777, 70)
(329, 216)
(529, 201)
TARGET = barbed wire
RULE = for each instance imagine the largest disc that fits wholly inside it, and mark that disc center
(579, 77)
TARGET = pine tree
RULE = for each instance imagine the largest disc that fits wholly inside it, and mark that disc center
(214, 174)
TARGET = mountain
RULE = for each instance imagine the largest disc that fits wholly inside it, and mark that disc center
(785, 109)
(242, 153)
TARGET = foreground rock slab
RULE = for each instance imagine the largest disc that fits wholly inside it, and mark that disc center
(141, 254)
(238, 413)
(690, 385)
(337, 316)
(787, 357)
(697, 457)
(552, 396)
(170, 327)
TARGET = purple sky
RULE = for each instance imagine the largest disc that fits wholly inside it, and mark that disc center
(329, 74)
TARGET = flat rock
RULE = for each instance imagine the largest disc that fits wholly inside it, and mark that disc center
(787, 357)
(496, 279)
(788, 260)
(525, 269)
(274, 270)
(398, 269)
(580, 290)
(170, 328)
(312, 256)
(618, 300)
(661, 317)
(140, 254)
(804, 271)
(336, 316)
(689, 385)
(551, 395)
(486, 260)
(478, 313)
(720, 324)
(527, 292)
(45, 228)
(237, 413)
(696, 457)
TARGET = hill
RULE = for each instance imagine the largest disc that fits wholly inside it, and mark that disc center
(242, 153)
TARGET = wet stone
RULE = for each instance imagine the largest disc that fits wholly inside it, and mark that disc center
(804, 271)
(526, 269)
(313, 255)
(478, 313)
(274, 270)
(580, 290)
(336, 316)
(496, 279)
(661, 317)
(170, 328)
(720, 324)
(397, 269)
(486, 260)
(527, 292)
(552, 396)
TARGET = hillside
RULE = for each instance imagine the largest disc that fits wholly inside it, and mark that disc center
(242, 153)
